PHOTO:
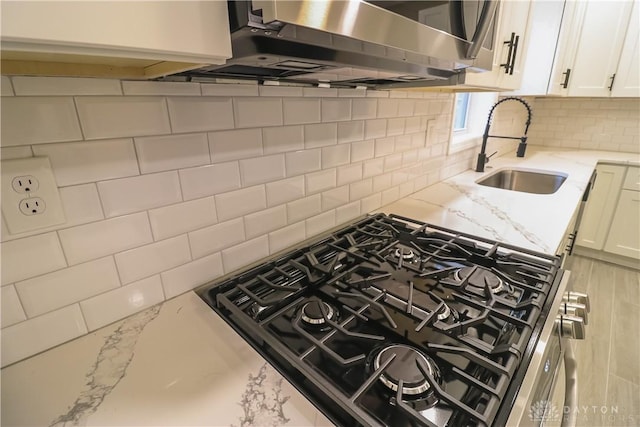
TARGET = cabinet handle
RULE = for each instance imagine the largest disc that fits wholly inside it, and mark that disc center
(513, 58)
(511, 43)
(613, 78)
(566, 75)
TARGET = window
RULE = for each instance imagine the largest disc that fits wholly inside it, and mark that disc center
(470, 114)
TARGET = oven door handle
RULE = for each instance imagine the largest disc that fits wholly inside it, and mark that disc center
(484, 24)
(571, 388)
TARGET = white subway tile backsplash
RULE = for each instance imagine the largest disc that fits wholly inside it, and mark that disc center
(303, 208)
(364, 108)
(371, 203)
(392, 162)
(128, 195)
(377, 94)
(63, 287)
(184, 196)
(265, 221)
(161, 88)
(335, 197)
(395, 126)
(361, 189)
(285, 237)
(41, 333)
(320, 135)
(162, 153)
(319, 223)
(11, 311)
(319, 92)
(382, 182)
(285, 191)
(402, 143)
(106, 308)
(95, 240)
(177, 219)
(301, 110)
(375, 128)
(320, 181)
(209, 180)
(384, 146)
(350, 173)
(6, 89)
(335, 155)
(281, 139)
(235, 144)
(390, 195)
(255, 112)
(191, 275)
(262, 169)
(60, 86)
(387, 108)
(217, 237)
(249, 89)
(136, 264)
(17, 152)
(347, 212)
(82, 162)
(372, 167)
(38, 120)
(115, 116)
(336, 109)
(30, 257)
(362, 150)
(301, 162)
(201, 113)
(245, 253)
(350, 131)
(240, 202)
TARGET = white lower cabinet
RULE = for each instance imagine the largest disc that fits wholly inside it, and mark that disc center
(600, 206)
(611, 221)
(624, 235)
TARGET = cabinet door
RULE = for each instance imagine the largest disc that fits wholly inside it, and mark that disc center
(513, 19)
(188, 31)
(598, 212)
(565, 50)
(627, 82)
(624, 236)
(602, 32)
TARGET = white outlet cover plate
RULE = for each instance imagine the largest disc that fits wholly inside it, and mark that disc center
(47, 190)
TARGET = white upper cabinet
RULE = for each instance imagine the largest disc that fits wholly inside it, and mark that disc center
(599, 43)
(627, 81)
(510, 47)
(592, 49)
(157, 37)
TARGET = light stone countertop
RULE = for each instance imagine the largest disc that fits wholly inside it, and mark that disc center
(180, 364)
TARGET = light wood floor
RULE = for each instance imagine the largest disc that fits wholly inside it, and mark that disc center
(609, 358)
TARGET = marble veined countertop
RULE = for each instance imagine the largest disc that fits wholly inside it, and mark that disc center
(179, 364)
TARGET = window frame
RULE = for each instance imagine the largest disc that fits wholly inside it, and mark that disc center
(478, 106)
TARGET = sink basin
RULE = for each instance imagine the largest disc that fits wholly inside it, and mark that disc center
(525, 180)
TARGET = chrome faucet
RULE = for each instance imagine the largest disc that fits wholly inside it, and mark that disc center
(482, 157)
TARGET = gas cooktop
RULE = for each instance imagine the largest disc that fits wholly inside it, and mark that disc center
(393, 322)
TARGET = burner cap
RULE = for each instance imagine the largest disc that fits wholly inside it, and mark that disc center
(404, 367)
(406, 255)
(444, 313)
(480, 277)
(312, 315)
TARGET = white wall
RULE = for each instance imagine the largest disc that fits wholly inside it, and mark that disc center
(169, 185)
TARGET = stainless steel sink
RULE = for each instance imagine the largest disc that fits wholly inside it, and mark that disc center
(525, 180)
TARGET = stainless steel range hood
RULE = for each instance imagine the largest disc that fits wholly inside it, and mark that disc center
(347, 44)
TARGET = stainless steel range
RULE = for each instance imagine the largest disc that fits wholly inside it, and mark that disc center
(393, 322)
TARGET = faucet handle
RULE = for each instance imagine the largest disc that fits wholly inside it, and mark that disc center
(490, 156)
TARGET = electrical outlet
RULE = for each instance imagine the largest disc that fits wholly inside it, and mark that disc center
(25, 184)
(32, 206)
(30, 198)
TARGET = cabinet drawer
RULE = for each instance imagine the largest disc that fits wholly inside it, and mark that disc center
(632, 180)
